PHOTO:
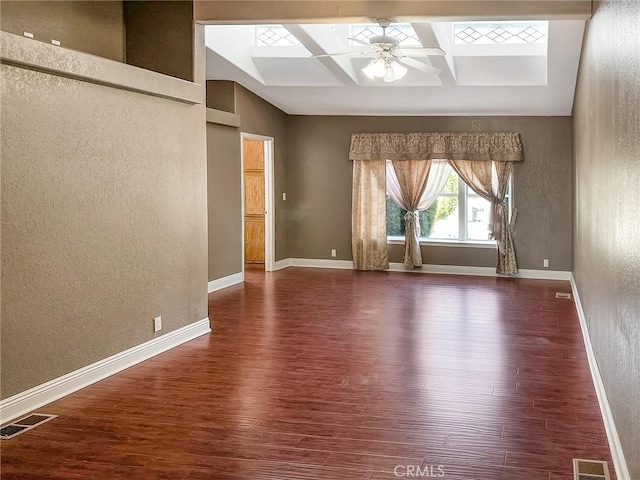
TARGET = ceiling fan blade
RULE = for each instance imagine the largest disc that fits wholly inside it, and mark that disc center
(341, 53)
(412, 62)
(360, 42)
(422, 50)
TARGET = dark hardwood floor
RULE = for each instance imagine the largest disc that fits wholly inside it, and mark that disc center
(342, 375)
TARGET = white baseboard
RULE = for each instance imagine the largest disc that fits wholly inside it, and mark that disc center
(280, 264)
(36, 397)
(320, 263)
(544, 274)
(619, 462)
(225, 282)
(481, 271)
(433, 269)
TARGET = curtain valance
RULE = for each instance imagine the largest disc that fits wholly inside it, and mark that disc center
(497, 147)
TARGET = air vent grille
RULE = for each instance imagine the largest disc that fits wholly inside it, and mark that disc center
(590, 470)
(26, 423)
(566, 296)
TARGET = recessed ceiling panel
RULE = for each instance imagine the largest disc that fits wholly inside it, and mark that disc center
(485, 68)
(501, 71)
(295, 72)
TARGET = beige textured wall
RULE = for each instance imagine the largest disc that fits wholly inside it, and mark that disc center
(221, 95)
(259, 117)
(607, 232)
(103, 222)
(94, 27)
(224, 200)
(319, 181)
(160, 36)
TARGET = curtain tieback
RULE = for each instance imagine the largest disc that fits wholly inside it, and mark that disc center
(412, 217)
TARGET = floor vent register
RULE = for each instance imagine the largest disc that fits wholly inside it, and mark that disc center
(566, 296)
(590, 470)
(27, 423)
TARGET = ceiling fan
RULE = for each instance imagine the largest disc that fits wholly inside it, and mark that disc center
(389, 57)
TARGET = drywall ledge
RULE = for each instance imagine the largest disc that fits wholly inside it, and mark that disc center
(223, 118)
(34, 55)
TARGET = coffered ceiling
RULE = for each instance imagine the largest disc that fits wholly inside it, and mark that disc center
(489, 68)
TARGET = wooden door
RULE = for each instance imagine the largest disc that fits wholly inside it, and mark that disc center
(253, 200)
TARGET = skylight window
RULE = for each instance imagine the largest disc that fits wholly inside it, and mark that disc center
(499, 33)
(274, 36)
(403, 32)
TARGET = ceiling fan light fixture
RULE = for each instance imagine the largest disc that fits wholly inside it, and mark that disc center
(385, 40)
(387, 69)
(398, 70)
(376, 68)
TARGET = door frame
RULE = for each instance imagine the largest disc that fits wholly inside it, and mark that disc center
(269, 198)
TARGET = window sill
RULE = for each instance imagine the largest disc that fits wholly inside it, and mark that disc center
(446, 243)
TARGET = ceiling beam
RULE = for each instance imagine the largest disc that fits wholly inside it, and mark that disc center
(320, 40)
(350, 11)
(435, 35)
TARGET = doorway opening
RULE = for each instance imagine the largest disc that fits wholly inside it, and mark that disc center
(258, 212)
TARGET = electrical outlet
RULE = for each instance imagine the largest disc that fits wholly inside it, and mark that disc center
(55, 42)
(28, 34)
(284, 196)
(545, 263)
(157, 324)
(333, 252)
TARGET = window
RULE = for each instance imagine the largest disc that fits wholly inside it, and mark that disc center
(403, 32)
(491, 33)
(274, 36)
(458, 214)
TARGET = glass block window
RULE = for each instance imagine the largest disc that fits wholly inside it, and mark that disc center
(500, 33)
(403, 32)
(274, 36)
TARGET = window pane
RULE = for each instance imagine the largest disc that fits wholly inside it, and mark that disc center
(478, 217)
(452, 184)
(427, 220)
(445, 225)
(395, 219)
(274, 36)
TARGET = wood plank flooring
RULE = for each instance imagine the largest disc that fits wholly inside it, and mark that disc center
(336, 374)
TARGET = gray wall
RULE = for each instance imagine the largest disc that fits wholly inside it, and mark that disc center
(259, 117)
(91, 27)
(224, 200)
(319, 182)
(155, 35)
(103, 219)
(221, 95)
(607, 232)
(160, 36)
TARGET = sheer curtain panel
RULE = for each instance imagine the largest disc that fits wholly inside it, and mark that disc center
(430, 177)
(490, 180)
(411, 176)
